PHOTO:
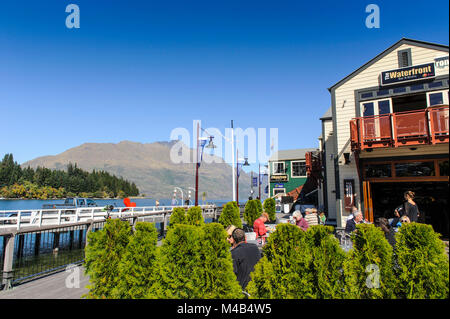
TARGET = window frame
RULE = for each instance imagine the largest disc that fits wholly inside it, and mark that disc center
(273, 168)
(292, 169)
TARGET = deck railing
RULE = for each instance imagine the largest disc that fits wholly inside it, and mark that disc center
(427, 126)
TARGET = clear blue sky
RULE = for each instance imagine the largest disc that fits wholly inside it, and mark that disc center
(135, 70)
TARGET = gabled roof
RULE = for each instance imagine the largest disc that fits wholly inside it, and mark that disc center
(328, 115)
(419, 43)
(291, 154)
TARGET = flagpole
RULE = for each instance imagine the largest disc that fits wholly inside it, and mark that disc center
(259, 180)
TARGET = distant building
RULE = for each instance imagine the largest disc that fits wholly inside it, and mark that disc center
(287, 172)
(387, 131)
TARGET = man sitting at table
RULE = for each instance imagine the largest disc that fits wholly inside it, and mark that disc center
(258, 226)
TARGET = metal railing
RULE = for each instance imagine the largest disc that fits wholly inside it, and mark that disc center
(44, 217)
(427, 126)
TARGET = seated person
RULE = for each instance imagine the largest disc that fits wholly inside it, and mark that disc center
(245, 256)
(300, 221)
(258, 226)
(351, 223)
(229, 231)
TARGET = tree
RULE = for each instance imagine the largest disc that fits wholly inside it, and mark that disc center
(137, 265)
(282, 273)
(269, 207)
(423, 267)
(251, 212)
(178, 216)
(327, 261)
(104, 252)
(368, 268)
(194, 216)
(195, 263)
(230, 215)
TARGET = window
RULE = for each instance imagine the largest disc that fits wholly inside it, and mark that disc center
(279, 191)
(400, 90)
(437, 98)
(378, 170)
(298, 169)
(278, 168)
(414, 169)
(416, 87)
(382, 92)
(368, 109)
(404, 58)
(435, 84)
(377, 107)
(365, 95)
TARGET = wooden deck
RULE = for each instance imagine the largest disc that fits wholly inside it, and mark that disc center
(54, 286)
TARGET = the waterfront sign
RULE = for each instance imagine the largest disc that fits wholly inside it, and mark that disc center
(412, 73)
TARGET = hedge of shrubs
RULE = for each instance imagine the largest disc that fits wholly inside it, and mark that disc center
(194, 261)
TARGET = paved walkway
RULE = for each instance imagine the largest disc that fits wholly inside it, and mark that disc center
(61, 285)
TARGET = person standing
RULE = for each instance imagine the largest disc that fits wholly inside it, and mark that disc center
(258, 226)
(245, 256)
(409, 208)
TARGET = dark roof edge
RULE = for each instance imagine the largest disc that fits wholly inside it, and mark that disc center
(388, 50)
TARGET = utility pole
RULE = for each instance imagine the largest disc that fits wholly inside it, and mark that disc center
(232, 159)
(259, 180)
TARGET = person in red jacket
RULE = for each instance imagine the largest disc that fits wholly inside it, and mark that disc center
(258, 226)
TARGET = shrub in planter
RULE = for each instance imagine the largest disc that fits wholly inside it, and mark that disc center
(103, 253)
(423, 266)
(368, 268)
(178, 216)
(282, 273)
(251, 212)
(195, 262)
(137, 266)
(327, 260)
(230, 215)
(259, 206)
(194, 216)
(269, 208)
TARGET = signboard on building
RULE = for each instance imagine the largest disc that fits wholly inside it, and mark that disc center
(441, 62)
(411, 73)
(349, 194)
(278, 178)
(255, 181)
(279, 186)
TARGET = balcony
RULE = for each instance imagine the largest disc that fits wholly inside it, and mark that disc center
(314, 164)
(421, 127)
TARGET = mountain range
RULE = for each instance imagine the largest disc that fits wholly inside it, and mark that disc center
(150, 167)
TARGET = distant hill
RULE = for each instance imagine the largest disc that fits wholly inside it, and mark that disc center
(150, 168)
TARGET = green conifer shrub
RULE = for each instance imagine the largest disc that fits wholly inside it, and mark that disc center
(251, 212)
(102, 257)
(178, 216)
(195, 262)
(423, 266)
(269, 208)
(194, 216)
(230, 215)
(282, 273)
(219, 280)
(259, 206)
(368, 267)
(327, 260)
(137, 265)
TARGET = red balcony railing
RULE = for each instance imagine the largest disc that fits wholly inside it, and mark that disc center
(427, 126)
(313, 163)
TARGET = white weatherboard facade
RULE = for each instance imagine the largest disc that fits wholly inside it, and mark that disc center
(346, 106)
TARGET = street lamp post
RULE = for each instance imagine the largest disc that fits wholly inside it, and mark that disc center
(197, 160)
(238, 173)
(182, 195)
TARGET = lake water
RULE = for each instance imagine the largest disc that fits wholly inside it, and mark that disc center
(22, 204)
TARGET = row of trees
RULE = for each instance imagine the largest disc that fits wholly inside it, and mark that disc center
(194, 261)
(43, 183)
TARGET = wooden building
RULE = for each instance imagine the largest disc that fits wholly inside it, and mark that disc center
(387, 131)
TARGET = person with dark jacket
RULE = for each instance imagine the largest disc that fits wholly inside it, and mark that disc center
(408, 208)
(351, 223)
(245, 256)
